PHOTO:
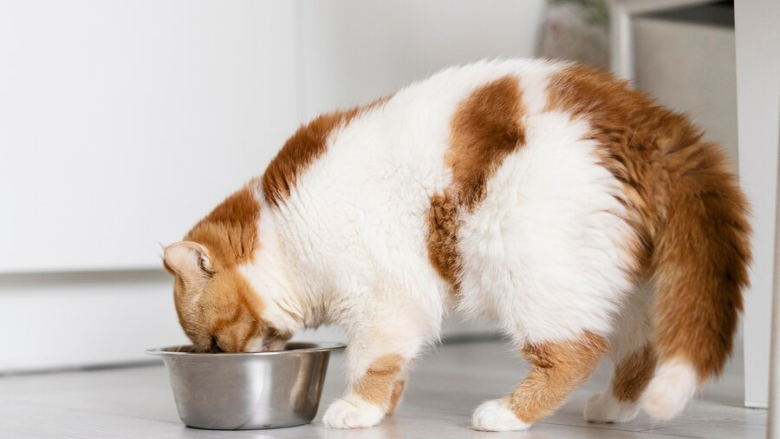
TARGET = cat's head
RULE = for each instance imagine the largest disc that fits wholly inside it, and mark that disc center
(218, 307)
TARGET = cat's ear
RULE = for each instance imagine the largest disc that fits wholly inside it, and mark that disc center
(188, 259)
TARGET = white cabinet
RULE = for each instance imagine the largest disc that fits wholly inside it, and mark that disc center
(123, 122)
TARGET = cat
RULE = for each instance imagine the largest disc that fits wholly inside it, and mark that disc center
(577, 214)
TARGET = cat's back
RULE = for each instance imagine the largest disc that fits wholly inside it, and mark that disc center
(407, 136)
(444, 126)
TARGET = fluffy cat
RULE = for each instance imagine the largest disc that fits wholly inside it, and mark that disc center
(577, 214)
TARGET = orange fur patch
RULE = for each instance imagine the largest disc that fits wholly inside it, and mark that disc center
(186, 310)
(378, 383)
(633, 373)
(305, 146)
(485, 128)
(556, 370)
(442, 238)
(685, 206)
(395, 398)
(233, 311)
(229, 232)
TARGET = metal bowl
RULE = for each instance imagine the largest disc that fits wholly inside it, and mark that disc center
(250, 390)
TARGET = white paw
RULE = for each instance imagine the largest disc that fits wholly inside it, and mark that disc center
(355, 413)
(605, 408)
(495, 416)
(670, 389)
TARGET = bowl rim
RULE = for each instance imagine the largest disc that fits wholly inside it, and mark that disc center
(317, 347)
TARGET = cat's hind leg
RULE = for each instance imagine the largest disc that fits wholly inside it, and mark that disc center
(634, 359)
(557, 368)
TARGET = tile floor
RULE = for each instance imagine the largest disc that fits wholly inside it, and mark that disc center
(445, 386)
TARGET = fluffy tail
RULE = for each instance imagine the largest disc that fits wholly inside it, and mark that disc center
(700, 258)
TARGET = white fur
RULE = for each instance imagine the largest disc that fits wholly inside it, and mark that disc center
(673, 385)
(544, 251)
(544, 254)
(605, 408)
(632, 326)
(632, 331)
(352, 413)
(494, 415)
(255, 345)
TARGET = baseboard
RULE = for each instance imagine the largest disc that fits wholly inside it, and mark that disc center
(756, 404)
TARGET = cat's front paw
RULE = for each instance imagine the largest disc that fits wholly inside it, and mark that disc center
(605, 408)
(354, 413)
(494, 415)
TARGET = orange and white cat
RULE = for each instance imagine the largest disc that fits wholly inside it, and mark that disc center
(577, 214)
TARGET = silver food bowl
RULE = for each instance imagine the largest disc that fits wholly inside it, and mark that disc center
(249, 390)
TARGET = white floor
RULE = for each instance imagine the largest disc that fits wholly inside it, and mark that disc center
(446, 385)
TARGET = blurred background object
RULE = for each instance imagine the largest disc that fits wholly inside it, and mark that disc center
(577, 30)
(686, 59)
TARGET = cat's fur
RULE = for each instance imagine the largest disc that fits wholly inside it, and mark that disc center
(577, 214)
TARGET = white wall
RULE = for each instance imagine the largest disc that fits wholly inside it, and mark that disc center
(122, 123)
(356, 50)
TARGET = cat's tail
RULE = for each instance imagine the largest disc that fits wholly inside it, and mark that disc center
(700, 257)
